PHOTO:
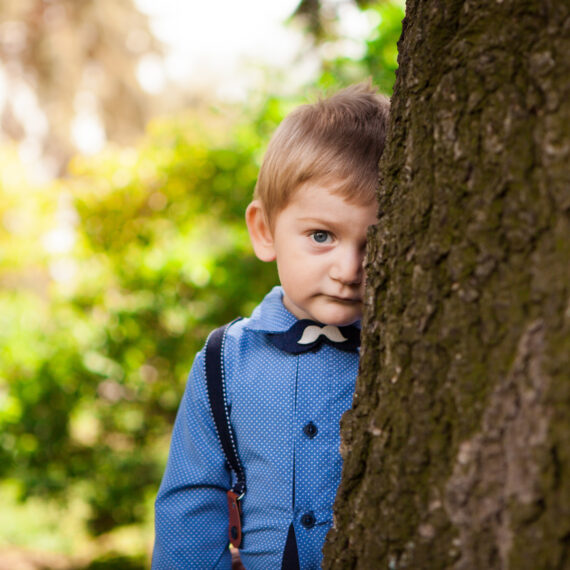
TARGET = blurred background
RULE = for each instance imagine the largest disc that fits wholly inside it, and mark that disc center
(130, 137)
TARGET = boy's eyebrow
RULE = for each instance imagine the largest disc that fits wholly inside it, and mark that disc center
(318, 220)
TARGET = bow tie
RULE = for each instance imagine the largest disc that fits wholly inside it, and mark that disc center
(308, 335)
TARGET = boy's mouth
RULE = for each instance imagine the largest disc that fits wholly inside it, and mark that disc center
(345, 300)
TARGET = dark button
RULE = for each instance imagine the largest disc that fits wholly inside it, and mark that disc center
(310, 430)
(234, 532)
(308, 520)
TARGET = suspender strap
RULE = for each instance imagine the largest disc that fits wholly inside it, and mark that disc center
(216, 386)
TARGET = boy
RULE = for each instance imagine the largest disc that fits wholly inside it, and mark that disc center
(290, 368)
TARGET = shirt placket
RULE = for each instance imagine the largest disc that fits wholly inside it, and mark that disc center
(312, 452)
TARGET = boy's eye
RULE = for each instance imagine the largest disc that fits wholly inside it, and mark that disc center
(320, 236)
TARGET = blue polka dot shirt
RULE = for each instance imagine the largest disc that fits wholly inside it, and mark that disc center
(285, 412)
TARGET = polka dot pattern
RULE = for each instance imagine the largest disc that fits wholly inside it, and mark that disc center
(285, 410)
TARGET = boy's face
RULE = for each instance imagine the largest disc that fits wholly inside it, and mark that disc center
(318, 241)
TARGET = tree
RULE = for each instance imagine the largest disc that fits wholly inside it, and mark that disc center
(457, 449)
(71, 66)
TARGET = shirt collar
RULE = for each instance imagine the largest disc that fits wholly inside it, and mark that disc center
(271, 315)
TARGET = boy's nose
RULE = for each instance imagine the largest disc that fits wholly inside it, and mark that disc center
(348, 266)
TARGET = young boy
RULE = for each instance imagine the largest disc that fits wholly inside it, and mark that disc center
(290, 368)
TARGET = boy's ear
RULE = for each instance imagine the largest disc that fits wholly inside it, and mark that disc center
(259, 232)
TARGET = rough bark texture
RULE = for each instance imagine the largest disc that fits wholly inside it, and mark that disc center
(457, 449)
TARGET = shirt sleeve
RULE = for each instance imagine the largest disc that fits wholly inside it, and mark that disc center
(191, 512)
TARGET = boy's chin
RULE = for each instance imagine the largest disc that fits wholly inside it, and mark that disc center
(337, 318)
(325, 311)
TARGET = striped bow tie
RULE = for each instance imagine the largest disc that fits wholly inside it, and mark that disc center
(308, 335)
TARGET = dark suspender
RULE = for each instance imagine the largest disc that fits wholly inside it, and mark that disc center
(216, 386)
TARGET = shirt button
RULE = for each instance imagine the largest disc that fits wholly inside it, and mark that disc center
(310, 430)
(308, 520)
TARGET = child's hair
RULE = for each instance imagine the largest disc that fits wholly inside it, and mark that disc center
(336, 141)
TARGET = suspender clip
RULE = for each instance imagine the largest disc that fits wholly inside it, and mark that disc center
(234, 508)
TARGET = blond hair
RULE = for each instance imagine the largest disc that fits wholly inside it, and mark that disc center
(336, 142)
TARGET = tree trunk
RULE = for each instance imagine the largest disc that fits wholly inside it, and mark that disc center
(457, 449)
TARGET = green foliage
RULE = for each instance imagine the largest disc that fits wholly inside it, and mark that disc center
(118, 562)
(94, 370)
(379, 59)
(381, 56)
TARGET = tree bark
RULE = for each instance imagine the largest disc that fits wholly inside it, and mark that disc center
(457, 449)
